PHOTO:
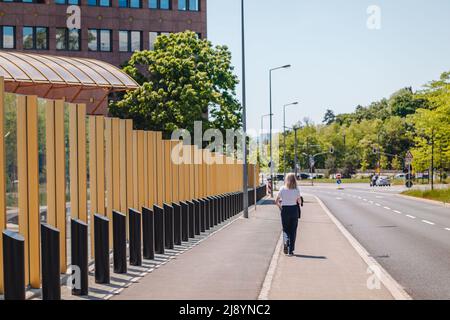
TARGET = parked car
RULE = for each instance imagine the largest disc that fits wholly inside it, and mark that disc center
(383, 182)
(400, 176)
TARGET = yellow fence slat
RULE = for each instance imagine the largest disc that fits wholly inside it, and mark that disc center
(140, 170)
(93, 165)
(116, 166)
(82, 164)
(167, 172)
(160, 168)
(152, 183)
(123, 165)
(146, 171)
(135, 171)
(100, 154)
(129, 156)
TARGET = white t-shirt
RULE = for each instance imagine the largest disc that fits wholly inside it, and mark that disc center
(289, 196)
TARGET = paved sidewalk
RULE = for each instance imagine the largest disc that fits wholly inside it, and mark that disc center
(232, 264)
(325, 266)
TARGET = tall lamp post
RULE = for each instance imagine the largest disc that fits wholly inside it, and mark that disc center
(262, 130)
(284, 132)
(244, 115)
(271, 124)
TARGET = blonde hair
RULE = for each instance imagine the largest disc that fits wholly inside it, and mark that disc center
(291, 181)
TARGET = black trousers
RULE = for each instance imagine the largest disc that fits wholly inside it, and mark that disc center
(289, 219)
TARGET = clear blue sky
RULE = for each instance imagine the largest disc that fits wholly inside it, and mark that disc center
(337, 61)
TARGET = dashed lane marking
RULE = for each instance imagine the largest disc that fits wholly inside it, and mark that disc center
(387, 208)
(396, 211)
(448, 229)
(411, 217)
(428, 222)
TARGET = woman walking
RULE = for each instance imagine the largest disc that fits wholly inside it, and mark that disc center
(288, 201)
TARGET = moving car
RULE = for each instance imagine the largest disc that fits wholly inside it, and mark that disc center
(383, 182)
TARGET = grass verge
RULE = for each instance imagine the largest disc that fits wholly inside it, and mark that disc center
(442, 195)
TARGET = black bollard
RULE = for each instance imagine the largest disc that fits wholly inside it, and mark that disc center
(101, 249)
(13, 265)
(159, 230)
(202, 215)
(216, 210)
(176, 224)
(168, 214)
(184, 221)
(134, 221)
(79, 247)
(209, 211)
(51, 281)
(191, 219)
(119, 242)
(197, 219)
(148, 234)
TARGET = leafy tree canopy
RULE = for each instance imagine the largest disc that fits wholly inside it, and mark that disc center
(184, 79)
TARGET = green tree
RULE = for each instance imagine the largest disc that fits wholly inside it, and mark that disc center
(184, 79)
(329, 117)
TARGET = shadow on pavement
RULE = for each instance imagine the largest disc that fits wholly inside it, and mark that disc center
(309, 257)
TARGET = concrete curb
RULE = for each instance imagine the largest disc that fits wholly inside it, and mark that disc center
(267, 284)
(429, 201)
(396, 290)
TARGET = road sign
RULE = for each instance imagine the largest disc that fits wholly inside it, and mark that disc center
(409, 158)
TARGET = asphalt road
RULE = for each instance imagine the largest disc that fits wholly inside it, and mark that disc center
(409, 238)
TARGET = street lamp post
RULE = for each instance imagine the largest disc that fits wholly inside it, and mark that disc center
(244, 116)
(262, 131)
(271, 122)
(284, 132)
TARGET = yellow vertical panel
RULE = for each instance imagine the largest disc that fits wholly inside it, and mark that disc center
(160, 168)
(100, 144)
(175, 173)
(167, 172)
(140, 162)
(93, 164)
(22, 170)
(109, 167)
(73, 160)
(123, 165)
(151, 162)
(182, 177)
(82, 164)
(129, 157)
(135, 171)
(205, 175)
(60, 169)
(50, 159)
(109, 171)
(146, 170)
(34, 216)
(192, 173)
(116, 165)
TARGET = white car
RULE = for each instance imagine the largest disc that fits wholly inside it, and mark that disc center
(383, 182)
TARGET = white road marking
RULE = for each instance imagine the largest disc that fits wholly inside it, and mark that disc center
(378, 205)
(371, 202)
(339, 198)
(387, 208)
(428, 222)
(396, 211)
(365, 200)
(448, 229)
(409, 216)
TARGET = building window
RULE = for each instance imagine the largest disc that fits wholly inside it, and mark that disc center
(68, 39)
(130, 41)
(7, 37)
(74, 2)
(160, 4)
(188, 5)
(99, 40)
(152, 35)
(35, 38)
(130, 3)
(99, 3)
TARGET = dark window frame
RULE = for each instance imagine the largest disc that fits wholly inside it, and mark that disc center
(158, 5)
(2, 36)
(99, 42)
(34, 28)
(141, 44)
(129, 5)
(66, 40)
(97, 4)
(188, 5)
